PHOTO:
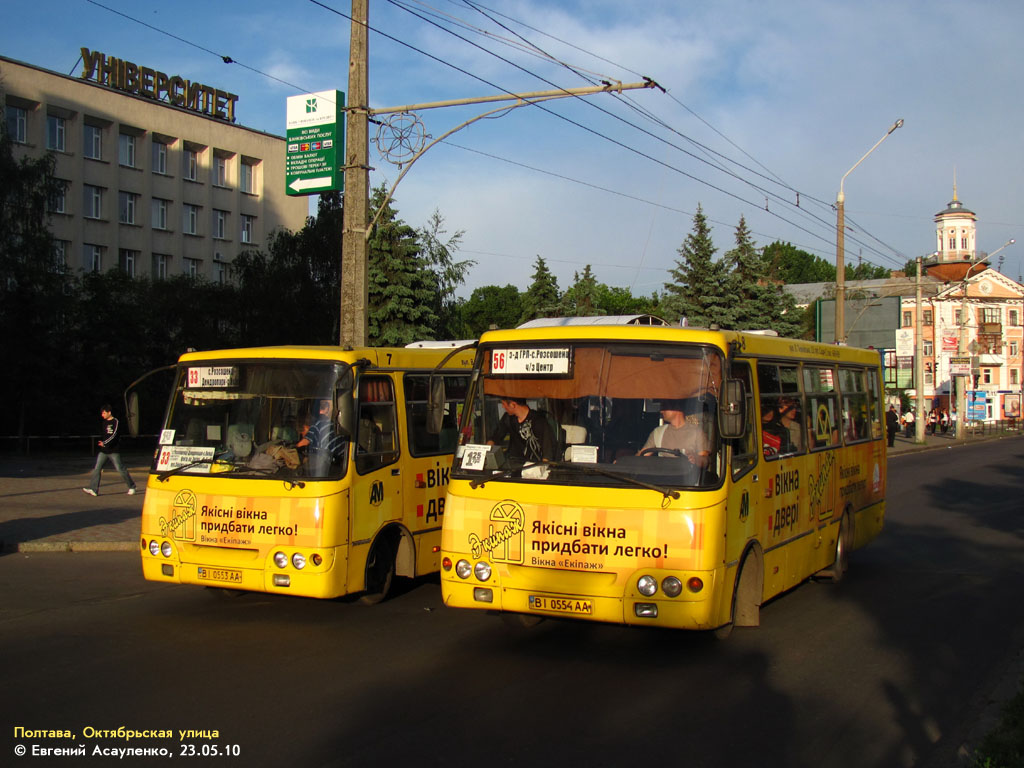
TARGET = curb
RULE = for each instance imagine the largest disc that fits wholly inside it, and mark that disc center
(77, 546)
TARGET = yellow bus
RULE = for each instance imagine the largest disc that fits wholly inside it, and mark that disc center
(692, 474)
(302, 470)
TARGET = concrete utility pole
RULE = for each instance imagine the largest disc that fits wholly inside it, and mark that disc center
(841, 242)
(354, 288)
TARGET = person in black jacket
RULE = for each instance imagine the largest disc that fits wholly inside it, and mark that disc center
(892, 424)
(110, 435)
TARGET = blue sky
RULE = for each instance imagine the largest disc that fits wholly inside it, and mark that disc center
(786, 96)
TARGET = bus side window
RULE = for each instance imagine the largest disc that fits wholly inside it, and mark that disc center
(376, 440)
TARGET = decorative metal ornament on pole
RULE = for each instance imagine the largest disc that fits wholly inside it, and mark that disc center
(841, 242)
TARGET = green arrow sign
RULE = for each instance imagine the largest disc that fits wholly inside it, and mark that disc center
(316, 143)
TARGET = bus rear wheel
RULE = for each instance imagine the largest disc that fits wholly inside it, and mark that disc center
(380, 572)
(841, 563)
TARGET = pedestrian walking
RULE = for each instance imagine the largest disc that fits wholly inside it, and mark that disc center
(110, 436)
(908, 420)
(933, 419)
(944, 420)
(892, 424)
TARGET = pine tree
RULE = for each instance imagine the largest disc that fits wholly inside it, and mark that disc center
(541, 298)
(698, 292)
(402, 291)
(759, 301)
(582, 297)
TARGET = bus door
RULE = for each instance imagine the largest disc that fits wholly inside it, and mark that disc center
(746, 497)
(377, 483)
(427, 465)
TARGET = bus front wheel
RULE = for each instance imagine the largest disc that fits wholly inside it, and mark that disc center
(380, 572)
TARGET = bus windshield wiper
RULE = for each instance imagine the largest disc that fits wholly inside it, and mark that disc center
(665, 492)
(594, 469)
(267, 471)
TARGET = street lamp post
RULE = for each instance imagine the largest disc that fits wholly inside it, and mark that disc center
(962, 349)
(841, 241)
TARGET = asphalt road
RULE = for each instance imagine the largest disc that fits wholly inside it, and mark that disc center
(890, 668)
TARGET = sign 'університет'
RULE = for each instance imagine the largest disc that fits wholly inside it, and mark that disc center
(143, 81)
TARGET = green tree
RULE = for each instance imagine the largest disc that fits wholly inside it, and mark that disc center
(402, 289)
(697, 292)
(541, 298)
(759, 302)
(36, 295)
(489, 306)
(786, 263)
(448, 274)
(581, 298)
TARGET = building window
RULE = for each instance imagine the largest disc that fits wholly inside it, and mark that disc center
(956, 317)
(127, 259)
(247, 177)
(55, 127)
(929, 348)
(190, 219)
(92, 202)
(1014, 379)
(986, 375)
(92, 142)
(952, 243)
(991, 315)
(126, 150)
(220, 272)
(160, 210)
(190, 167)
(58, 200)
(248, 229)
(1014, 317)
(192, 267)
(161, 263)
(908, 319)
(927, 319)
(92, 257)
(220, 171)
(17, 124)
(220, 224)
(963, 242)
(60, 255)
(159, 157)
(126, 204)
(1014, 346)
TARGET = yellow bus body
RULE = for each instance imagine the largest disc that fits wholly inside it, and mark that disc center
(215, 529)
(577, 549)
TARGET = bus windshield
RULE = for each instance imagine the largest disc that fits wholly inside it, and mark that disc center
(274, 419)
(594, 413)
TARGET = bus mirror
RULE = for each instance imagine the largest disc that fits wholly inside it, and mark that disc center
(733, 411)
(132, 404)
(435, 405)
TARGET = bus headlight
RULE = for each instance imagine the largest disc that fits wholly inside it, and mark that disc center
(671, 586)
(280, 559)
(299, 560)
(165, 549)
(154, 547)
(482, 571)
(647, 585)
(463, 569)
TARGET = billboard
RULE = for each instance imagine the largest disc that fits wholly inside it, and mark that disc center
(316, 143)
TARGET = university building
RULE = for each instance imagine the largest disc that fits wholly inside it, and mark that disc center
(157, 178)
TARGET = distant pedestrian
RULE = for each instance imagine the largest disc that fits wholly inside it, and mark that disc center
(908, 420)
(944, 421)
(892, 424)
(108, 449)
(933, 419)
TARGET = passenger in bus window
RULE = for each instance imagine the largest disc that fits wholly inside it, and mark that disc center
(528, 432)
(677, 433)
(789, 418)
(321, 435)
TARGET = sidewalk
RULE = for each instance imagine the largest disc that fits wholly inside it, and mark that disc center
(43, 509)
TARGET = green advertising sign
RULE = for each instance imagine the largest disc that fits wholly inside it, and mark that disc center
(316, 143)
